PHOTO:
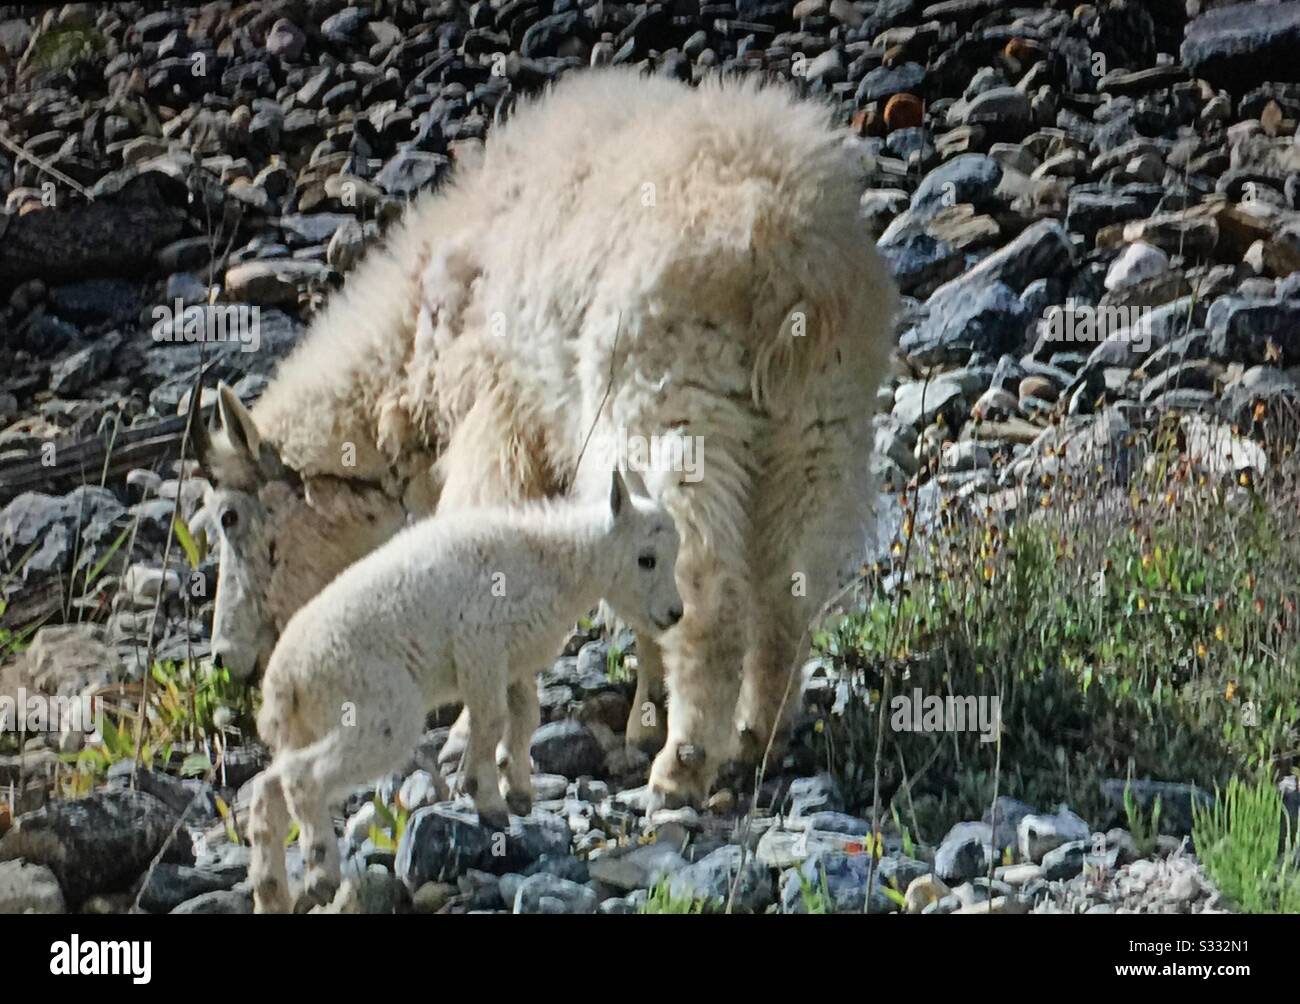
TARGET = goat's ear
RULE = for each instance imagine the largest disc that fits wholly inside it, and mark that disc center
(636, 483)
(249, 453)
(617, 493)
(198, 431)
(240, 428)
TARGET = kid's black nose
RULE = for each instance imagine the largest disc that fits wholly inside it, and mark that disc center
(674, 615)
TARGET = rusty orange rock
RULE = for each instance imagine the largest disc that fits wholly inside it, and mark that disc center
(1024, 51)
(904, 111)
(867, 121)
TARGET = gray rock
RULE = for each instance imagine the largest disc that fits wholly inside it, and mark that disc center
(567, 747)
(410, 171)
(967, 317)
(839, 880)
(95, 844)
(76, 372)
(230, 901)
(285, 40)
(1039, 834)
(1176, 801)
(1245, 44)
(95, 301)
(1010, 812)
(971, 177)
(346, 246)
(919, 261)
(170, 885)
(441, 842)
(884, 82)
(1065, 861)
(711, 879)
(29, 888)
(548, 894)
(625, 905)
(422, 788)
(372, 892)
(345, 25)
(808, 795)
(1242, 330)
(900, 871)
(835, 822)
(192, 799)
(639, 867)
(1089, 209)
(999, 106)
(15, 34)
(964, 853)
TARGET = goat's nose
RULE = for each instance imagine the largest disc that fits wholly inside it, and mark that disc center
(225, 656)
(675, 614)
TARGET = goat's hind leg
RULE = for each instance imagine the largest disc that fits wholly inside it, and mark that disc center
(268, 826)
(387, 726)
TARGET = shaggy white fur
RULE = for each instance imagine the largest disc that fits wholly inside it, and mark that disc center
(704, 247)
(456, 607)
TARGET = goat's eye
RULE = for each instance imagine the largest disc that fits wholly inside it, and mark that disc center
(229, 519)
(646, 561)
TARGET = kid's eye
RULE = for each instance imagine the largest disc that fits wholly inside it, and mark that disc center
(646, 561)
(229, 519)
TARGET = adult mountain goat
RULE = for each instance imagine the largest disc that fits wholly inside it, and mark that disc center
(655, 266)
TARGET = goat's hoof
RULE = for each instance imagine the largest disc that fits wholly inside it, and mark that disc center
(317, 890)
(680, 776)
(650, 738)
(494, 819)
(520, 802)
(273, 903)
(752, 747)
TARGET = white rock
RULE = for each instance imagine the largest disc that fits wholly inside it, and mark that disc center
(967, 455)
(923, 891)
(1136, 262)
(1037, 835)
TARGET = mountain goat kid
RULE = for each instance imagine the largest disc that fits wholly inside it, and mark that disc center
(459, 607)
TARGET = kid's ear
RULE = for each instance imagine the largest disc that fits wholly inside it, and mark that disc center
(617, 493)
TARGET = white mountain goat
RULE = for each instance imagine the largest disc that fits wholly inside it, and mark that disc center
(701, 247)
(456, 607)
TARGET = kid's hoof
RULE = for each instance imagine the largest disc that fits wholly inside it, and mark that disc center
(318, 890)
(271, 900)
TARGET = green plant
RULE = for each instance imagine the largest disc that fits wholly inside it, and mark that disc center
(192, 702)
(815, 898)
(616, 667)
(191, 707)
(1145, 628)
(12, 642)
(60, 48)
(87, 768)
(662, 900)
(387, 832)
(1245, 842)
(1144, 832)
